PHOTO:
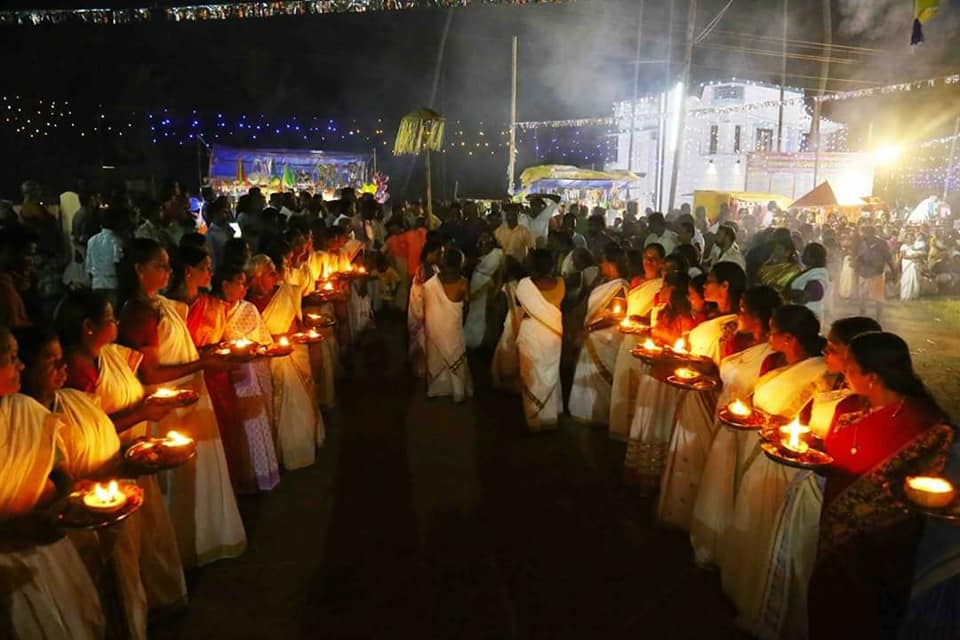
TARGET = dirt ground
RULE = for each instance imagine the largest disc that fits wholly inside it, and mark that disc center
(931, 326)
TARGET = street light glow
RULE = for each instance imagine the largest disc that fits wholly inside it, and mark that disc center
(886, 154)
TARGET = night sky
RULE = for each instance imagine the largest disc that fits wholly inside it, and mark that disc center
(575, 60)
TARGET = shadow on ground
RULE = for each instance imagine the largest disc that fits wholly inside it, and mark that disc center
(425, 519)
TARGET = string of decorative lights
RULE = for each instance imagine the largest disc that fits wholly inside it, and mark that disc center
(232, 11)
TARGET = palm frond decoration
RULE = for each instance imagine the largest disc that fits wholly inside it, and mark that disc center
(421, 130)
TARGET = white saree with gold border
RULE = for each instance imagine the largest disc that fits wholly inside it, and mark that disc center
(627, 371)
(161, 570)
(538, 344)
(202, 504)
(47, 590)
(693, 433)
(597, 360)
(299, 423)
(747, 541)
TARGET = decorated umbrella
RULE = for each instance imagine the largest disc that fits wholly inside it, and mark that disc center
(421, 131)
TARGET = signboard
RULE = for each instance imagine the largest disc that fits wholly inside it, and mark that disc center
(792, 174)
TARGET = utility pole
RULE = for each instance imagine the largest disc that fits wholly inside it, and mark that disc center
(783, 77)
(662, 132)
(682, 115)
(636, 88)
(512, 160)
(824, 74)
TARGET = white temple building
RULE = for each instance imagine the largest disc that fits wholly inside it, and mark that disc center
(715, 141)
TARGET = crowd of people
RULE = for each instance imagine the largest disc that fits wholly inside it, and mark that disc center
(101, 307)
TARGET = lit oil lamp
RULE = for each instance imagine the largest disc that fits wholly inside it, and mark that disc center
(241, 346)
(739, 409)
(361, 269)
(651, 347)
(313, 334)
(327, 286)
(617, 309)
(165, 393)
(792, 441)
(105, 499)
(284, 341)
(685, 373)
(626, 323)
(680, 346)
(930, 492)
(176, 440)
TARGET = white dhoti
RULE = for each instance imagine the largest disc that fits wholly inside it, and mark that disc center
(448, 373)
(505, 366)
(481, 286)
(539, 343)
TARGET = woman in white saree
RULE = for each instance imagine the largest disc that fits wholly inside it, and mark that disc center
(505, 366)
(47, 591)
(793, 548)
(253, 386)
(200, 496)
(90, 448)
(713, 506)
(780, 393)
(695, 426)
(539, 342)
(627, 371)
(912, 253)
(448, 373)
(107, 371)
(417, 347)
(593, 377)
(299, 423)
(483, 283)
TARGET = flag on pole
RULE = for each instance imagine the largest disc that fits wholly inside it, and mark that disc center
(923, 11)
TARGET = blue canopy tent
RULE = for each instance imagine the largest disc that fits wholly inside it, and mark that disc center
(235, 170)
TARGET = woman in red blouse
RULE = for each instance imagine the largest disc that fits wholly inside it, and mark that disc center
(862, 578)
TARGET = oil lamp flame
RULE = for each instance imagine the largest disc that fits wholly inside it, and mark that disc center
(686, 374)
(930, 484)
(165, 392)
(108, 498)
(284, 341)
(176, 439)
(680, 346)
(739, 408)
(793, 442)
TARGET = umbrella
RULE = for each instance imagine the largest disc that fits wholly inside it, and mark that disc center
(421, 132)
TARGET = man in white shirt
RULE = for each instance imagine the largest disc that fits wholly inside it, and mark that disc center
(725, 249)
(542, 206)
(104, 251)
(514, 238)
(660, 234)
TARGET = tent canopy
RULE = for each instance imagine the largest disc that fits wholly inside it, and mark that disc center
(560, 176)
(823, 196)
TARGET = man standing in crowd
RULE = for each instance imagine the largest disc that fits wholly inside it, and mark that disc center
(873, 259)
(514, 238)
(660, 234)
